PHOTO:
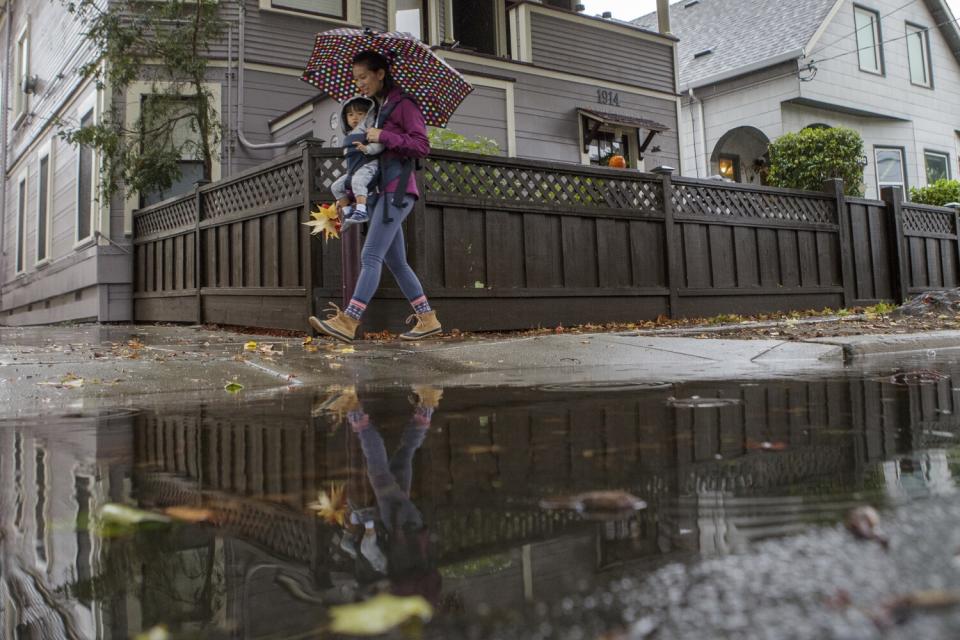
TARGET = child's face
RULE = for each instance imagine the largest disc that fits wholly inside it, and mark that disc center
(354, 117)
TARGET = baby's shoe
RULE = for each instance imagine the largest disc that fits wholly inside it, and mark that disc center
(357, 216)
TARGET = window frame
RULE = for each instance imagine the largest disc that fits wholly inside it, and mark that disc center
(878, 40)
(903, 169)
(23, 197)
(44, 152)
(21, 100)
(88, 108)
(945, 155)
(501, 35)
(351, 12)
(924, 32)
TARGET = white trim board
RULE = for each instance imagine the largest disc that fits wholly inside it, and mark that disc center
(45, 151)
(352, 19)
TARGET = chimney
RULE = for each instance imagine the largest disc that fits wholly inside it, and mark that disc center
(663, 15)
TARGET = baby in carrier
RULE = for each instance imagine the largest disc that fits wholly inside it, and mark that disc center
(357, 115)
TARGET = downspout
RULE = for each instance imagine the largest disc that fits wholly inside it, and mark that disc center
(698, 102)
(693, 132)
(240, 90)
(3, 162)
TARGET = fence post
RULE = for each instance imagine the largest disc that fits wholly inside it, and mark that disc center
(198, 260)
(834, 188)
(309, 179)
(893, 196)
(670, 247)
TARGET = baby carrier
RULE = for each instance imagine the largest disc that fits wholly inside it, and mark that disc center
(395, 169)
(354, 158)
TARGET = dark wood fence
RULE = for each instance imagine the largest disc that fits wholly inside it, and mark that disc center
(506, 244)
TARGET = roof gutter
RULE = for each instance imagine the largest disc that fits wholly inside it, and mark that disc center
(795, 54)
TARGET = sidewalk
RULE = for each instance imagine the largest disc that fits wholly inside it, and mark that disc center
(88, 367)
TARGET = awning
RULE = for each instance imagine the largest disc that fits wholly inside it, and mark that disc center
(601, 118)
(604, 117)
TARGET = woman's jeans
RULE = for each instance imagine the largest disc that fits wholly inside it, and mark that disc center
(385, 245)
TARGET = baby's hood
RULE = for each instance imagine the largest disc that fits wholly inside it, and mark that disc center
(371, 109)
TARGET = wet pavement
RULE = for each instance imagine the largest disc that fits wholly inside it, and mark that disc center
(745, 480)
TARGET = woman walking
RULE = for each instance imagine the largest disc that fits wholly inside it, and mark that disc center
(402, 130)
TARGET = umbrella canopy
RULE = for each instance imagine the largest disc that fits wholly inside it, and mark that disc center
(437, 87)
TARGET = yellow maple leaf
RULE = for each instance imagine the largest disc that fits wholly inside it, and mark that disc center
(332, 505)
(250, 346)
(324, 220)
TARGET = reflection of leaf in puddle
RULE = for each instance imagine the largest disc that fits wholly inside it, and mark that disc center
(158, 632)
(379, 614)
(485, 565)
(332, 505)
(233, 387)
(120, 520)
(478, 449)
(189, 514)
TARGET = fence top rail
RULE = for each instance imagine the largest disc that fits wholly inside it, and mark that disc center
(533, 165)
(286, 159)
(733, 186)
(164, 204)
(913, 206)
(865, 202)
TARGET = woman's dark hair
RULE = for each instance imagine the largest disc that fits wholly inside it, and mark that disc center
(374, 61)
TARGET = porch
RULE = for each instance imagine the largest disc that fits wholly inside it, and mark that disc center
(504, 244)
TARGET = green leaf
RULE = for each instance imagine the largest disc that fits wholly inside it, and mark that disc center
(233, 387)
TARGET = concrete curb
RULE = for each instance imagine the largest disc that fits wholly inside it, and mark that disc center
(858, 347)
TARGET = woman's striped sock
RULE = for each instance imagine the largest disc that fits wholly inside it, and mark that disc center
(421, 305)
(355, 309)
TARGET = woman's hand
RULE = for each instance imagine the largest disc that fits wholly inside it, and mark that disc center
(373, 134)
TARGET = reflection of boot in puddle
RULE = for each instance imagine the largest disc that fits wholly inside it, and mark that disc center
(370, 549)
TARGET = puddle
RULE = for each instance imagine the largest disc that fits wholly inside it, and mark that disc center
(443, 503)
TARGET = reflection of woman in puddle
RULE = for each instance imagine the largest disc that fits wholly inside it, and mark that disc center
(391, 540)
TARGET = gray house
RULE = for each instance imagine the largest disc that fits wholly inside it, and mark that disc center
(551, 84)
(753, 70)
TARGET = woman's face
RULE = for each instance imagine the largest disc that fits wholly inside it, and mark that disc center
(369, 83)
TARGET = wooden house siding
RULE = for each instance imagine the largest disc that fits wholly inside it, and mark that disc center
(483, 113)
(600, 53)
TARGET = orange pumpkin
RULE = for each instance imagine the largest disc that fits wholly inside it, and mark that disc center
(617, 162)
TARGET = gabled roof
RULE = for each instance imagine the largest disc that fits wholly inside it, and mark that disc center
(745, 35)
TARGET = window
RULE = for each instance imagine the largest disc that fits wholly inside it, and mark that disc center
(191, 169)
(479, 25)
(606, 143)
(40, 473)
(85, 182)
(729, 166)
(21, 73)
(43, 206)
(410, 16)
(327, 8)
(869, 49)
(21, 223)
(890, 171)
(82, 495)
(918, 54)
(938, 166)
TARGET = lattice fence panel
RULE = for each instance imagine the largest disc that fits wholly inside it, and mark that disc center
(538, 186)
(283, 531)
(690, 200)
(280, 184)
(326, 171)
(167, 220)
(923, 221)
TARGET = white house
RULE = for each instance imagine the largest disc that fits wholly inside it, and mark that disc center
(752, 70)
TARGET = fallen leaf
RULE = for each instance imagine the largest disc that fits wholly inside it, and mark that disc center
(347, 350)
(311, 348)
(332, 505)
(158, 632)
(478, 449)
(766, 445)
(268, 350)
(233, 387)
(307, 340)
(898, 610)
(596, 502)
(864, 523)
(379, 614)
(250, 346)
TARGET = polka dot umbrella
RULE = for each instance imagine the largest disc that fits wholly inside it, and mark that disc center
(437, 87)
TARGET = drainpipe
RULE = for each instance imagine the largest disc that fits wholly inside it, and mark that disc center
(694, 100)
(663, 16)
(3, 161)
(240, 90)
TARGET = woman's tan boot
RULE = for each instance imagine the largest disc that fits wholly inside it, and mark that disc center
(427, 326)
(337, 325)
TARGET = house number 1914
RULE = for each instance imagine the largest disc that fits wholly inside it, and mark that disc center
(607, 97)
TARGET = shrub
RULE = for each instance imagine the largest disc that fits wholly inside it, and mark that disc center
(939, 193)
(803, 160)
(453, 141)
